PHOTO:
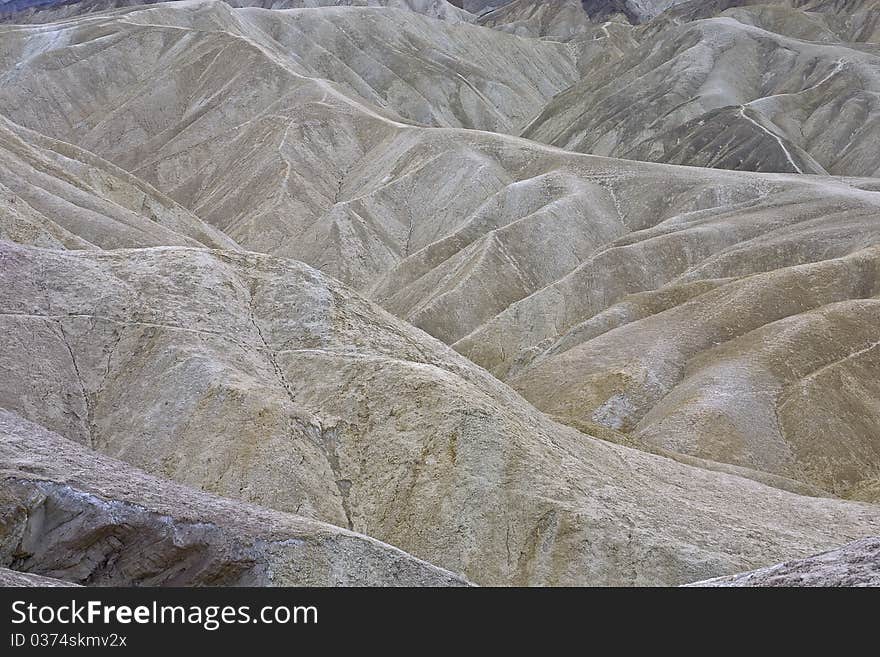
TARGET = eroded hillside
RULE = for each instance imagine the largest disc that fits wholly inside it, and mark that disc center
(369, 274)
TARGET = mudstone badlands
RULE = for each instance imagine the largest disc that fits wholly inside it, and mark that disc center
(410, 292)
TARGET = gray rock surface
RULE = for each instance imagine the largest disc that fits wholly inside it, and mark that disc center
(13, 578)
(599, 10)
(47, 11)
(556, 19)
(754, 88)
(856, 564)
(480, 6)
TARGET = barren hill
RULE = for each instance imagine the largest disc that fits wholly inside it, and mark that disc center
(403, 275)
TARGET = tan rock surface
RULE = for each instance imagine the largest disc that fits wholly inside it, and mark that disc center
(715, 330)
(70, 514)
(56, 195)
(263, 146)
(282, 388)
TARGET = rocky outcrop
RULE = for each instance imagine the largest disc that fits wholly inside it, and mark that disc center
(856, 564)
(13, 578)
(79, 517)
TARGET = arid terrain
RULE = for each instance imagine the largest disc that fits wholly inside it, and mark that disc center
(419, 293)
